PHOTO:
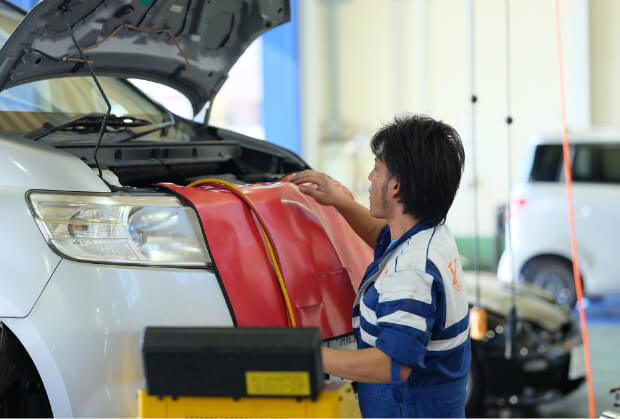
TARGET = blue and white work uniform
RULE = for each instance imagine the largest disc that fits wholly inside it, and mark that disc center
(412, 305)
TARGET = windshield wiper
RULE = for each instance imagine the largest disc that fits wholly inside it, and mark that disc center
(130, 134)
(89, 123)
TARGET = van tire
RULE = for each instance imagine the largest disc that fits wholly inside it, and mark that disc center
(555, 275)
(22, 393)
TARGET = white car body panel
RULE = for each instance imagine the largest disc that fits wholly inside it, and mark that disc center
(106, 308)
(542, 227)
(596, 217)
(27, 261)
(33, 165)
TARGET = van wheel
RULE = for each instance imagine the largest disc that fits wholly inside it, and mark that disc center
(553, 275)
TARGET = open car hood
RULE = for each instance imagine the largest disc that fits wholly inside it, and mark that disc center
(188, 45)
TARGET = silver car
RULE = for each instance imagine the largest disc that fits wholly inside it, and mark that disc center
(86, 261)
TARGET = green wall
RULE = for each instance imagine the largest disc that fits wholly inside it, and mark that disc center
(490, 250)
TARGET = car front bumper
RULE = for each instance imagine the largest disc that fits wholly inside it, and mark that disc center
(84, 331)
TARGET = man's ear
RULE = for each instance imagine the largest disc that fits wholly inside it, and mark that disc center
(395, 187)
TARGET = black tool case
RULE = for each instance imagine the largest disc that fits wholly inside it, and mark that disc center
(233, 362)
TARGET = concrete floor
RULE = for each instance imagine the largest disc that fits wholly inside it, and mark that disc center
(603, 318)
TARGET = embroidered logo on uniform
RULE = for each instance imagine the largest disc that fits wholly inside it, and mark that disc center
(455, 284)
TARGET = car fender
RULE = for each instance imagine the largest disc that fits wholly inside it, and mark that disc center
(27, 261)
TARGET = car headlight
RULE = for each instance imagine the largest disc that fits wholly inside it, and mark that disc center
(120, 228)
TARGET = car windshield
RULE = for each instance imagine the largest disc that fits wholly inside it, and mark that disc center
(27, 107)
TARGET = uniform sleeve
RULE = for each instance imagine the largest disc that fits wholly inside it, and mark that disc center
(406, 313)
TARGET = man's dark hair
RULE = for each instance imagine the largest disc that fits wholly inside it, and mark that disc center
(427, 158)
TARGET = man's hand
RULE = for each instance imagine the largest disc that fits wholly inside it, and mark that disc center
(327, 191)
(321, 187)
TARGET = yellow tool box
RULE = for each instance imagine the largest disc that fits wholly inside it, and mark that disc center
(232, 362)
(337, 400)
(238, 372)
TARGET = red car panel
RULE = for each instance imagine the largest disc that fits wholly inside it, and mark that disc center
(321, 258)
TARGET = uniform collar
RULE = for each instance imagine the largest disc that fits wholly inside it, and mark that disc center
(385, 244)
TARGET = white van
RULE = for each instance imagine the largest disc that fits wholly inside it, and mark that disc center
(541, 243)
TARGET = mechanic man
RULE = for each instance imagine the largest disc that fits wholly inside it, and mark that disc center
(410, 316)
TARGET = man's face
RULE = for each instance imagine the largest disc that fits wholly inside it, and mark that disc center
(379, 183)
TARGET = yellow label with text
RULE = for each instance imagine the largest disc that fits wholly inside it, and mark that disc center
(277, 383)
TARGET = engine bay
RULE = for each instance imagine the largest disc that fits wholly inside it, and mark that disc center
(221, 153)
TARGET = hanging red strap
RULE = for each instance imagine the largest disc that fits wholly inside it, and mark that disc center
(571, 213)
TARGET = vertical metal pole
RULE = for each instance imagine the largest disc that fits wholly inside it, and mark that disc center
(474, 151)
(511, 320)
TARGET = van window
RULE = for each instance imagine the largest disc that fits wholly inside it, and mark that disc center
(597, 163)
(547, 163)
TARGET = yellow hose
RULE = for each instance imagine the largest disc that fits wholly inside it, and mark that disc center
(272, 256)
